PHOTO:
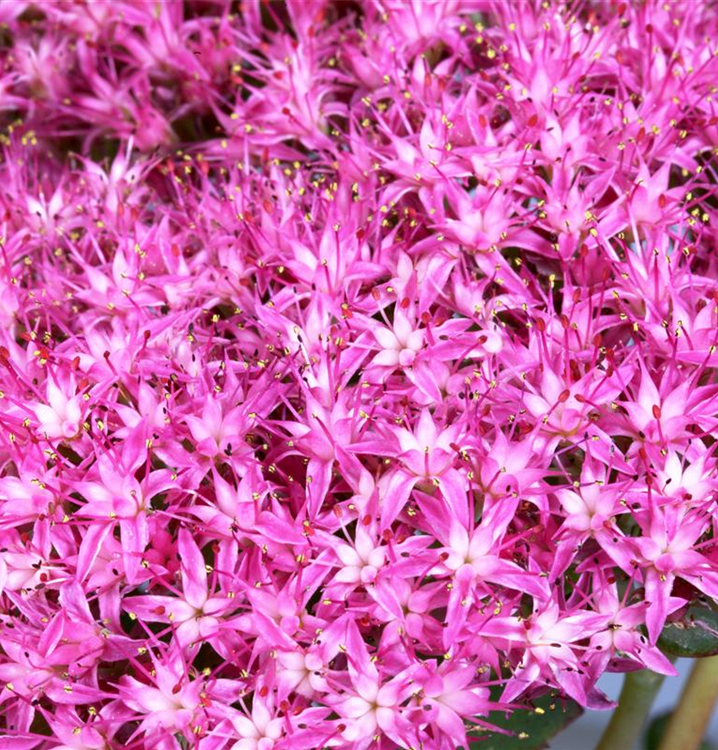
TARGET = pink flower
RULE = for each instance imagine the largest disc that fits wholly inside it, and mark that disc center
(196, 615)
(263, 729)
(62, 417)
(169, 702)
(355, 359)
(544, 642)
(666, 552)
(371, 706)
(446, 699)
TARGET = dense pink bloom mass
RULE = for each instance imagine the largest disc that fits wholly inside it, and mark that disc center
(358, 363)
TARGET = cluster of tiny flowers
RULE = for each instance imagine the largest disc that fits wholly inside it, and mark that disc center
(358, 364)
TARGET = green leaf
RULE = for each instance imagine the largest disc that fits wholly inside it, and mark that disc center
(695, 634)
(531, 729)
(654, 734)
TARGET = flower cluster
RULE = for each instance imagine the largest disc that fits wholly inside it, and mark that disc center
(357, 363)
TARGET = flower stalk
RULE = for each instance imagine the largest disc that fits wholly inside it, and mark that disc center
(637, 696)
(686, 726)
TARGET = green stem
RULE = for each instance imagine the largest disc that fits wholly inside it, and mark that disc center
(637, 696)
(687, 724)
